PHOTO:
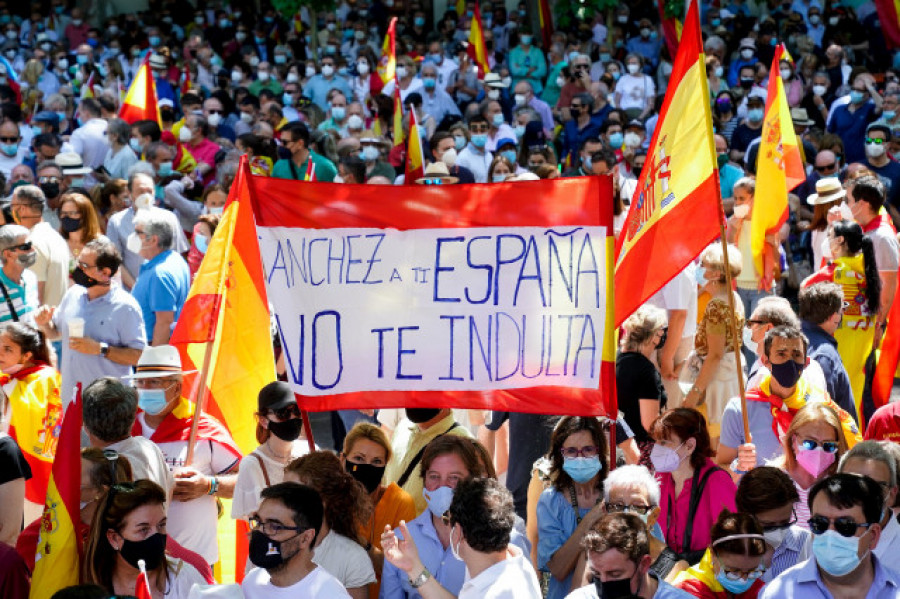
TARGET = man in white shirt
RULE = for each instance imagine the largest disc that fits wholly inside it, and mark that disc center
(679, 299)
(109, 410)
(284, 533)
(474, 156)
(481, 517)
(89, 140)
(871, 459)
(52, 265)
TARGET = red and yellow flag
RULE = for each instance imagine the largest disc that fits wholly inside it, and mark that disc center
(227, 294)
(889, 16)
(546, 19)
(387, 65)
(87, 89)
(186, 79)
(415, 158)
(672, 27)
(678, 190)
(142, 584)
(779, 169)
(56, 564)
(140, 102)
(460, 7)
(398, 118)
(477, 50)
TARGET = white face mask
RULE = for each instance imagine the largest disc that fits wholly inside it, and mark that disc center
(846, 213)
(747, 335)
(633, 68)
(401, 72)
(632, 140)
(184, 135)
(327, 70)
(263, 75)
(775, 537)
(215, 119)
(449, 157)
(742, 211)
(494, 94)
(785, 74)
(310, 71)
(819, 90)
(520, 99)
(237, 76)
(874, 150)
(362, 68)
(247, 117)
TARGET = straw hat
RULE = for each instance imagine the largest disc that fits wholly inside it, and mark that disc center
(437, 170)
(158, 361)
(828, 189)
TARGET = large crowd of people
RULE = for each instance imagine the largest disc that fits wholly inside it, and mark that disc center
(105, 222)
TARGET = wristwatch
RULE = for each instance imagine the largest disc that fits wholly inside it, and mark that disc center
(420, 579)
(104, 349)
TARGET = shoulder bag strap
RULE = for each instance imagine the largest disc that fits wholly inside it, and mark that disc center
(9, 303)
(697, 487)
(262, 465)
(418, 457)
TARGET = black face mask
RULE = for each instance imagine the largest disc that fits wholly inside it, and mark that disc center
(787, 373)
(747, 83)
(264, 552)
(420, 415)
(614, 589)
(289, 430)
(51, 190)
(81, 278)
(70, 225)
(152, 550)
(369, 475)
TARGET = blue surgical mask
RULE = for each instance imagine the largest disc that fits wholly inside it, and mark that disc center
(165, 169)
(429, 82)
(369, 153)
(586, 164)
(836, 554)
(436, 58)
(498, 178)
(755, 114)
(202, 243)
(438, 500)
(889, 114)
(459, 141)
(520, 131)
(135, 145)
(856, 96)
(152, 401)
(62, 116)
(700, 276)
(9, 149)
(582, 469)
(479, 140)
(498, 119)
(338, 113)
(154, 40)
(509, 155)
(81, 59)
(736, 587)
(419, 21)
(616, 140)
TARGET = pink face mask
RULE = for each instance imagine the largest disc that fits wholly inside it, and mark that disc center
(815, 461)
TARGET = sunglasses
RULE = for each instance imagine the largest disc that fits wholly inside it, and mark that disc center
(621, 507)
(845, 526)
(433, 182)
(287, 412)
(827, 446)
(735, 574)
(789, 523)
(879, 141)
(9, 140)
(25, 247)
(825, 167)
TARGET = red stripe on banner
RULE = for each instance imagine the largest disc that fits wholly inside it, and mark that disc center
(632, 280)
(549, 203)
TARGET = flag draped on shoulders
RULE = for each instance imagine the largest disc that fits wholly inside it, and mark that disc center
(477, 49)
(56, 564)
(140, 102)
(678, 190)
(229, 292)
(779, 169)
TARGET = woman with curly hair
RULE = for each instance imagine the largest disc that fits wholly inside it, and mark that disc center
(340, 548)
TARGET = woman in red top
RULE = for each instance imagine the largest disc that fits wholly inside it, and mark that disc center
(732, 567)
(693, 490)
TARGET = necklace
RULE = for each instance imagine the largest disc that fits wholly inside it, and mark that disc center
(274, 454)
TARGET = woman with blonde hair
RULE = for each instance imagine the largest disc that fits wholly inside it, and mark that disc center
(813, 446)
(641, 395)
(78, 223)
(709, 378)
(366, 454)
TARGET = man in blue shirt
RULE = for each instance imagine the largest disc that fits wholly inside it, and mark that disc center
(845, 513)
(646, 44)
(319, 85)
(877, 137)
(850, 121)
(821, 309)
(164, 280)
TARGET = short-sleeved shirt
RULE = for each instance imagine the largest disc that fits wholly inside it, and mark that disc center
(804, 581)
(887, 250)
(719, 319)
(324, 169)
(345, 559)
(318, 584)
(637, 379)
(121, 225)
(511, 577)
(114, 318)
(146, 459)
(22, 295)
(162, 286)
(52, 265)
(759, 415)
(680, 294)
(13, 465)
(556, 520)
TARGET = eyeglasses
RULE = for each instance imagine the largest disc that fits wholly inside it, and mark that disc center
(588, 451)
(48, 180)
(789, 523)
(269, 528)
(576, 106)
(826, 167)
(287, 412)
(737, 574)
(621, 507)
(9, 140)
(749, 324)
(827, 446)
(154, 383)
(25, 247)
(875, 140)
(581, 67)
(85, 265)
(845, 525)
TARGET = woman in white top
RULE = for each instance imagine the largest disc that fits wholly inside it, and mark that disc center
(120, 157)
(340, 549)
(635, 92)
(129, 527)
(278, 430)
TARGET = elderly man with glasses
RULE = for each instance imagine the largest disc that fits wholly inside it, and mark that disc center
(17, 284)
(165, 418)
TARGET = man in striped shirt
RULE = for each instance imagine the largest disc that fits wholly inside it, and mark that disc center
(18, 285)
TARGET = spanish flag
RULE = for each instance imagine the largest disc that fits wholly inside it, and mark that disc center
(398, 118)
(460, 7)
(889, 16)
(87, 90)
(779, 169)
(477, 50)
(546, 18)
(56, 564)
(672, 26)
(140, 101)
(186, 79)
(676, 209)
(227, 295)
(415, 158)
(387, 65)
